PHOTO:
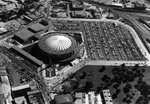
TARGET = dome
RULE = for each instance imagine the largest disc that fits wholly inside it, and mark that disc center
(58, 42)
(58, 47)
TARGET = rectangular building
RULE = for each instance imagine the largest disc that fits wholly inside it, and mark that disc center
(107, 96)
(78, 14)
(88, 98)
(23, 35)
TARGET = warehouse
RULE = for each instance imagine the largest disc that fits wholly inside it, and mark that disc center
(23, 35)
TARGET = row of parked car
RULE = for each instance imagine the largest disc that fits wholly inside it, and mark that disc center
(111, 41)
(66, 25)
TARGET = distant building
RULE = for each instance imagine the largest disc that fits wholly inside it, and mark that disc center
(63, 99)
(78, 14)
(75, 5)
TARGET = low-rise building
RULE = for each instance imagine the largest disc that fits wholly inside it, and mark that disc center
(23, 36)
(88, 98)
(78, 14)
(25, 95)
(19, 94)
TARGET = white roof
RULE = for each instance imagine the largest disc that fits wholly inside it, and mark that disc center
(58, 42)
(33, 92)
(10, 7)
(20, 87)
(107, 96)
(92, 98)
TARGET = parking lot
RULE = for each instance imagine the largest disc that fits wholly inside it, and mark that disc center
(104, 40)
(110, 41)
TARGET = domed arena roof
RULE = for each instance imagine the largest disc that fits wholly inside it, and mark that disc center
(58, 42)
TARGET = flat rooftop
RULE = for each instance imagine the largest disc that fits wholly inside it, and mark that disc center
(24, 34)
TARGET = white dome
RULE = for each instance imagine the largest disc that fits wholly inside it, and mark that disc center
(58, 42)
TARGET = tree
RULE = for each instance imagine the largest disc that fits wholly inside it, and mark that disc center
(122, 65)
(98, 90)
(126, 90)
(83, 75)
(103, 68)
(142, 100)
(114, 96)
(88, 86)
(124, 99)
